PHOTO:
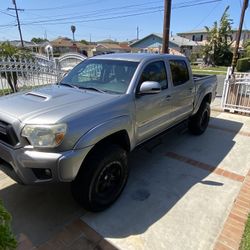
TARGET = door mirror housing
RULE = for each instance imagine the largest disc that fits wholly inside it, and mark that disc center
(149, 87)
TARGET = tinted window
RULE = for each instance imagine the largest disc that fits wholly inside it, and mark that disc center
(155, 72)
(179, 71)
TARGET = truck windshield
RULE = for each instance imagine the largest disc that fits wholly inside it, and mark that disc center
(101, 75)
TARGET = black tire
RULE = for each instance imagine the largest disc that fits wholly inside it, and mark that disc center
(199, 122)
(101, 178)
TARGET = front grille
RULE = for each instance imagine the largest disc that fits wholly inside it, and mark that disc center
(7, 134)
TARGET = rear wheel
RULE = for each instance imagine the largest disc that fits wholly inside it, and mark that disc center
(101, 179)
(199, 122)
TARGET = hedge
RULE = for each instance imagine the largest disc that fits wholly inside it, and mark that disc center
(7, 239)
(243, 64)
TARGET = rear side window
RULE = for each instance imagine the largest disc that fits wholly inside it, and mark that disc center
(155, 72)
(179, 71)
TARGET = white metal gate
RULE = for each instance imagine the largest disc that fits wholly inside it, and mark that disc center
(236, 92)
(68, 61)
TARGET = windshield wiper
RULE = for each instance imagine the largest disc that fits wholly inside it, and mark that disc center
(93, 88)
(69, 85)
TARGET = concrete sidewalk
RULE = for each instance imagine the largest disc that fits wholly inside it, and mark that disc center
(180, 192)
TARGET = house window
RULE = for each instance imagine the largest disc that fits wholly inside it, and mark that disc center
(198, 38)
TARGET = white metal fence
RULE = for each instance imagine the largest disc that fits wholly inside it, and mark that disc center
(22, 73)
(18, 74)
(236, 92)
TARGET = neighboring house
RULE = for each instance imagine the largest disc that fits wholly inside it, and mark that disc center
(64, 45)
(107, 48)
(201, 36)
(153, 44)
(31, 45)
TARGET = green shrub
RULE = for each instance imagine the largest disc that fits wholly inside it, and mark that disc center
(194, 56)
(7, 239)
(243, 64)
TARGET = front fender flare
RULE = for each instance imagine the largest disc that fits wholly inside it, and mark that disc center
(105, 129)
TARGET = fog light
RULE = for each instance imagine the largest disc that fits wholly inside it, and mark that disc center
(48, 172)
(42, 173)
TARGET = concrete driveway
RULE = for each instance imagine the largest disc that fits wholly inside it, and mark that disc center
(180, 193)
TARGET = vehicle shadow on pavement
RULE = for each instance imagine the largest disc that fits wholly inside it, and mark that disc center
(155, 185)
(40, 211)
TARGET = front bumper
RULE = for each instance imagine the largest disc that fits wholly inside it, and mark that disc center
(27, 166)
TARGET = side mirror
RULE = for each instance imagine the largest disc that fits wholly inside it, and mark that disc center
(149, 87)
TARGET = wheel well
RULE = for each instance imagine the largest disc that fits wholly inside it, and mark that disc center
(207, 98)
(120, 138)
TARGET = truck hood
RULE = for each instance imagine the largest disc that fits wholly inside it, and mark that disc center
(51, 103)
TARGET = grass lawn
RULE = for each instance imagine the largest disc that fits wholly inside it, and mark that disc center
(245, 242)
(218, 70)
(5, 92)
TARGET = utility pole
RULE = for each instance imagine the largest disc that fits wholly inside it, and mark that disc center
(45, 35)
(166, 26)
(18, 22)
(137, 33)
(236, 54)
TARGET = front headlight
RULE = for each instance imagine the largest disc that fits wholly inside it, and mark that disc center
(48, 136)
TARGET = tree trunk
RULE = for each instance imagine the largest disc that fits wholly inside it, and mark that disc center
(12, 81)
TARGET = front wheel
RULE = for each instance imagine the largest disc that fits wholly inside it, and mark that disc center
(198, 123)
(101, 179)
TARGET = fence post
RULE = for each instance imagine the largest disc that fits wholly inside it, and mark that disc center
(57, 69)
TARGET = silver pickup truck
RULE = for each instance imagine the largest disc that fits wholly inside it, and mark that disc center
(81, 129)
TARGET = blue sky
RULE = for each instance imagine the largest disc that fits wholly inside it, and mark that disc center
(38, 16)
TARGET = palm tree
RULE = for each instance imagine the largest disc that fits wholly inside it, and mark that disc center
(73, 29)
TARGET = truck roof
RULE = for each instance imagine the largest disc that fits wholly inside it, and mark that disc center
(136, 57)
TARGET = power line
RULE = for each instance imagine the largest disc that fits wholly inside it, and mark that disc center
(178, 5)
(3, 12)
(158, 9)
(140, 12)
(205, 18)
(75, 5)
(98, 14)
(106, 10)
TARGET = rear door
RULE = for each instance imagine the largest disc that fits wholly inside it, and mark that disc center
(153, 111)
(183, 89)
